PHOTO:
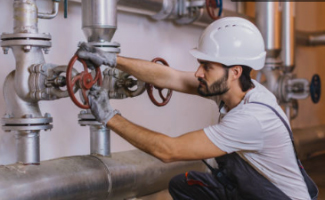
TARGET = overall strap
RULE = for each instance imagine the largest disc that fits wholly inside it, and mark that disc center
(285, 124)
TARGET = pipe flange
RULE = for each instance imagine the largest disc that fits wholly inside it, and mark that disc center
(38, 43)
(87, 119)
(27, 128)
(112, 47)
(28, 123)
(26, 39)
(26, 36)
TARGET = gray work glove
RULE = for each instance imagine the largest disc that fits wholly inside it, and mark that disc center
(95, 57)
(100, 106)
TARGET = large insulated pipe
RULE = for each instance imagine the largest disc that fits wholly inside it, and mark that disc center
(269, 23)
(165, 9)
(99, 19)
(124, 175)
(288, 36)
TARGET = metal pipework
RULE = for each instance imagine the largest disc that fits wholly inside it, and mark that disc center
(288, 36)
(99, 19)
(269, 22)
(23, 114)
(125, 175)
(54, 13)
(25, 16)
(310, 38)
(100, 137)
(168, 9)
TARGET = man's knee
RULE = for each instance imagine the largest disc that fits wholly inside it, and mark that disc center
(176, 182)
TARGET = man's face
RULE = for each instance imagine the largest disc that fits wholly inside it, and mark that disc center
(213, 79)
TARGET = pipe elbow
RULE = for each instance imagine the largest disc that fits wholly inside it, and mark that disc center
(15, 105)
(52, 15)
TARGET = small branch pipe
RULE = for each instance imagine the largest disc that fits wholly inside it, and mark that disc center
(52, 15)
(100, 140)
(288, 36)
(124, 175)
(310, 38)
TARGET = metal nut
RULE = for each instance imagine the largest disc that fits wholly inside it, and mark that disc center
(47, 115)
(46, 50)
(83, 112)
(7, 116)
(27, 48)
(28, 116)
(5, 50)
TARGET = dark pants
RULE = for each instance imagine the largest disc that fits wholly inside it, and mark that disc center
(198, 186)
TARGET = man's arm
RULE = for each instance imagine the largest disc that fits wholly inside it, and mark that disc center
(190, 146)
(159, 75)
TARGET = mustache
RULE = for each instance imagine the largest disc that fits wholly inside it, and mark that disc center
(202, 81)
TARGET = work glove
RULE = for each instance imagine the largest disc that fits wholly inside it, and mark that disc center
(95, 57)
(100, 106)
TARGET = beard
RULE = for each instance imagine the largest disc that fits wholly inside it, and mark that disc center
(219, 87)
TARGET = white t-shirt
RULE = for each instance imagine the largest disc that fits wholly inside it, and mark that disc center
(259, 136)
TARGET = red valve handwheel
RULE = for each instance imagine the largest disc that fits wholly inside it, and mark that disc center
(150, 87)
(211, 5)
(84, 79)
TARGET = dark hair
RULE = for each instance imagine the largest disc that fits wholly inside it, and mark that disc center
(245, 78)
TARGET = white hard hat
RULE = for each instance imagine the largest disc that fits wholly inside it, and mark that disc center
(232, 41)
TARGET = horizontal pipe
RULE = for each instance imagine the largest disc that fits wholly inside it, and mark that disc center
(310, 38)
(122, 176)
(152, 8)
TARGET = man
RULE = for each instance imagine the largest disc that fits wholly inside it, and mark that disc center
(248, 134)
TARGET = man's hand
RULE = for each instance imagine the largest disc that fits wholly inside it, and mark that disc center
(95, 57)
(100, 106)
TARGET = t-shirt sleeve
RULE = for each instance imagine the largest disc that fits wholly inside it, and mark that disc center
(240, 132)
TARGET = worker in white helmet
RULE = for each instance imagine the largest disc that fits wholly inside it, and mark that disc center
(250, 143)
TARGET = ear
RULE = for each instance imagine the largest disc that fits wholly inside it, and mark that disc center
(236, 71)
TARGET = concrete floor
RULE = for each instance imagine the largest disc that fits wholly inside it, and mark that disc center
(315, 167)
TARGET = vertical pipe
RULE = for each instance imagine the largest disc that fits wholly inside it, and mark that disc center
(25, 16)
(268, 21)
(100, 140)
(99, 19)
(28, 145)
(288, 35)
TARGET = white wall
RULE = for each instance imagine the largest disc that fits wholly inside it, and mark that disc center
(139, 37)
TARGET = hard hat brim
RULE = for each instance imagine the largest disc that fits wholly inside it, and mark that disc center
(255, 63)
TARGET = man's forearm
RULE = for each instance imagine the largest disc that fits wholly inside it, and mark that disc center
(146, 71)
(146, 140)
